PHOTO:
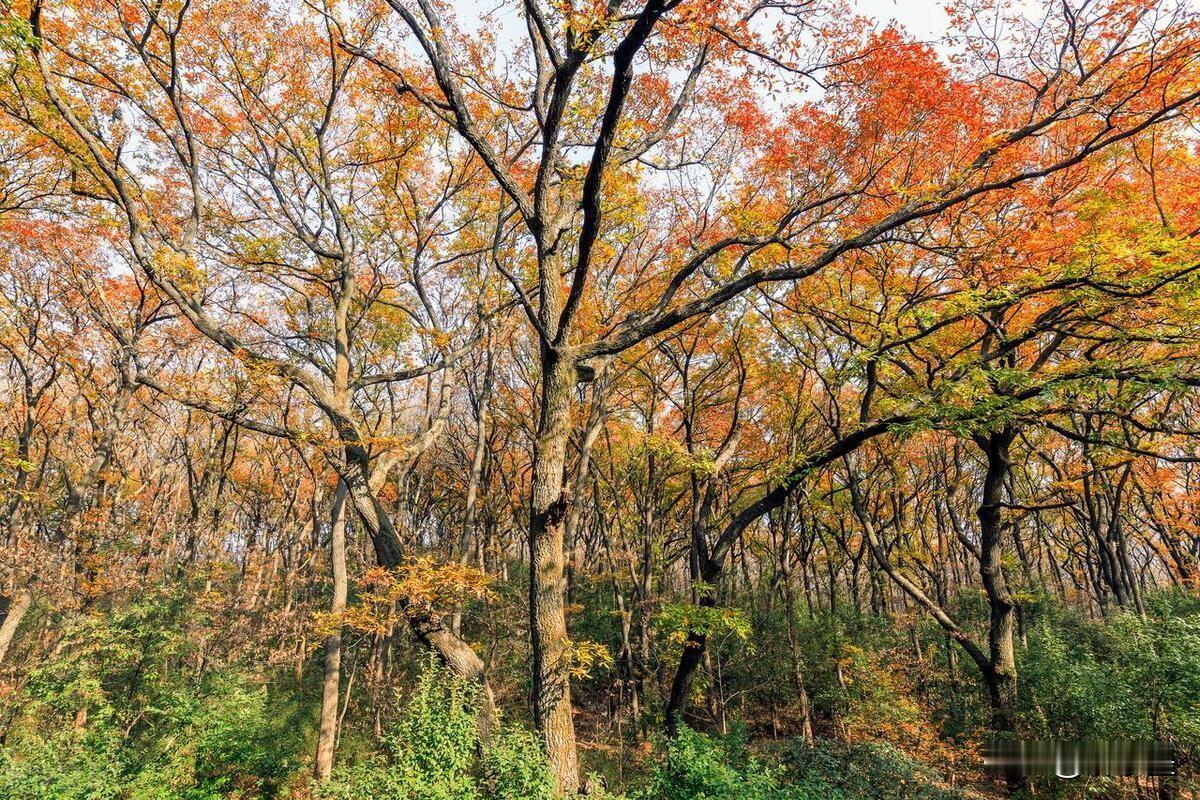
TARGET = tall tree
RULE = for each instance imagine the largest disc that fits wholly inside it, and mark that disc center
(768, 201)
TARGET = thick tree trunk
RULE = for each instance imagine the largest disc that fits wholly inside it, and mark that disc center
(17, 609)
(1001, 676)
(551, 690)
(327, 735)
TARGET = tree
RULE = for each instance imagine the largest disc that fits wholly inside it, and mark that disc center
(795, 197)
(246, 196)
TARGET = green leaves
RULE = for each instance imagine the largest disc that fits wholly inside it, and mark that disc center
(1128, 677)
(433, 752)
(674, 622)
(16, 35)
(866, 770)
(114, 716)
(697, 767)
(515, 768)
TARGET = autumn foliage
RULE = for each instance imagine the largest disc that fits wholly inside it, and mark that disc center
(658, 399)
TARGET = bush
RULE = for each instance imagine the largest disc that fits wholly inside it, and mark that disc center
(227, 740)
(1127, 677)
(866, 771)
(432, 753)
(62, 766)
(116, 715)
(430, 748)
(697, 767)
(516, 769)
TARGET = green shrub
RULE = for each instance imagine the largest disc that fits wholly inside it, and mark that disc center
(1126, 677)
(866, 771)
(63, 766)
(516, 768)
(116, 715)
(432, 753)
(698, 767)
(430, 748)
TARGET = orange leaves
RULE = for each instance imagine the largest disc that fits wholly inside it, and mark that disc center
(744, 113)
(908, 121)
(424, 581)
(421, 585)
(586, 20)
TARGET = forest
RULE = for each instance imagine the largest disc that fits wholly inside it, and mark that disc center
(620, 399)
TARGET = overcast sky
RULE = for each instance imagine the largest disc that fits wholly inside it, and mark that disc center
(924, 19)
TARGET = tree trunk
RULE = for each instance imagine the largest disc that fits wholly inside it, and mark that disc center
(425, 625)
(470, 536)
(551, 689)
(21, 603)
(681, 685)
(1001, 677)
(327, 735)
(805, 711)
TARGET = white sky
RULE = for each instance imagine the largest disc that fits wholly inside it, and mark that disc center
(924, 19)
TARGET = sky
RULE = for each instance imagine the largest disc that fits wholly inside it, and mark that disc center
(924, 19)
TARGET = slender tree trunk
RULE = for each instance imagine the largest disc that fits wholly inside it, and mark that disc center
(689, 661)
(627, 662)
(551, 689)
(428, 627)
(327, 735)
(805, 712)
(705, 568)
(470, 536)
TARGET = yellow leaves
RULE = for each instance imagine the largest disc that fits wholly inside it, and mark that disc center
(379, 443)
(422, 585)
(882, 704)
(181, 269)
(586, 20)
(437, 338)
(213, 601)
(95, 581)
(10, 457)
(389, 326)
(424, 581)
(661, 445)
(359, 618)
(585, 657)
(264, 252)
(15, 32)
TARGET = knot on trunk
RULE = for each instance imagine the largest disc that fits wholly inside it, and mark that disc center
(556, 512)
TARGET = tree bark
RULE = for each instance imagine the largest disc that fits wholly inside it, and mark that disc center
(551, 688)
(21, 603)
(327, 734)
(1001, 676)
